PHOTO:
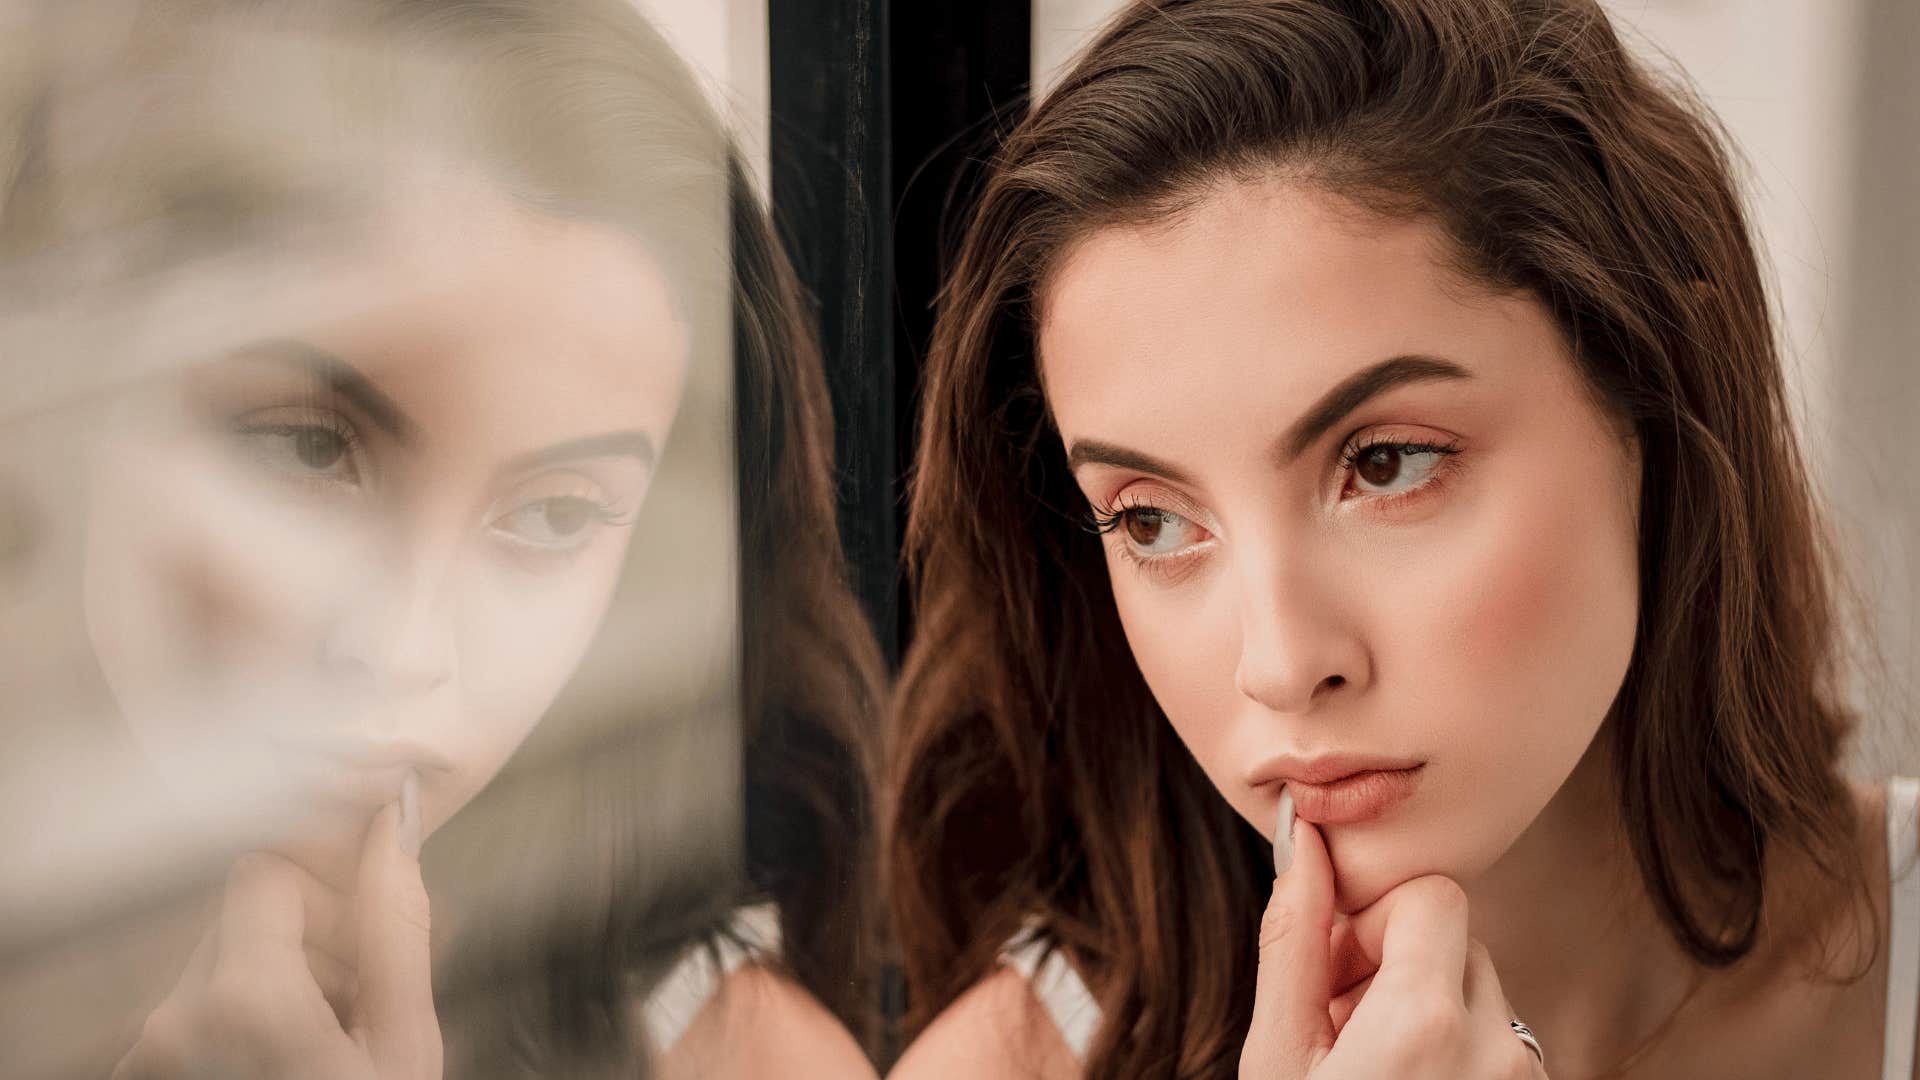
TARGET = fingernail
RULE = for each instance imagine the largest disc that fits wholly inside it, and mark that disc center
(410, 814)
(1283, 834)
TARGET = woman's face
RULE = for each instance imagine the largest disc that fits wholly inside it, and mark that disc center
(383, 541)
(1357, 508)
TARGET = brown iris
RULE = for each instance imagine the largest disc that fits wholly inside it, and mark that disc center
(1378, 465)
(318, 448)
(1144, 525)
(567, 516)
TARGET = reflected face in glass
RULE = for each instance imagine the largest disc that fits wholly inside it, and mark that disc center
(384, 541)
(1358, 515)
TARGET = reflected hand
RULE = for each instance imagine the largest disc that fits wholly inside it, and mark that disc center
(1418, 998)
(271, 991)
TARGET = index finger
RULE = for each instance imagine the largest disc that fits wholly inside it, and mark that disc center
(263, 910)
(394, 1015)
(1418, 931)
(1291, 1030)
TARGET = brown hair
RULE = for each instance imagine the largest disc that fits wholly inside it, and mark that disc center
(1031, 772)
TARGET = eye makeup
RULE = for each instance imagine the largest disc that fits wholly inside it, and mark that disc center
(304, 444)
(1143, 520)
(312, 426)
(1139, 519)
(557, 515)
(1362, 460)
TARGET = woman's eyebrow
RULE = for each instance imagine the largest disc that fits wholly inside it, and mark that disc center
(633, 444)
(1095, 452)
(1354, 391)
(339, 377)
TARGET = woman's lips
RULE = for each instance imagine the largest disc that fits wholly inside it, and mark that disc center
(365, 788)
(348, 771)
(1356, 797)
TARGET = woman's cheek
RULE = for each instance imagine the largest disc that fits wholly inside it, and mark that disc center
(526, 629)
(199, 592)
(1530, 627)
(1185, 641)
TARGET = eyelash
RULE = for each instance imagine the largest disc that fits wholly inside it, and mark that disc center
(603, 512)
(1103, 521)
(322, 420)
(1354, 451)
(532, 555)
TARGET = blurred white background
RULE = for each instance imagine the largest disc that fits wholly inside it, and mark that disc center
(726, 42)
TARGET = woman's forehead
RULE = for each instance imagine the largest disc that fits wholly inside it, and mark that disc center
(486, 329)
(1263, 285)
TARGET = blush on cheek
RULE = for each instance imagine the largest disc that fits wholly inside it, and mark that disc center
(1508, 600)
(211, 602)
(251, 592)
(522, 640)
(1527, 640)
(203, 588)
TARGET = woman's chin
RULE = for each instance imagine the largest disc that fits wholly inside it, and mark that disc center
(1356, 892)
(1367, 867)
(327, 846)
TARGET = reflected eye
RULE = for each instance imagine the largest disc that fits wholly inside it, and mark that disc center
(318, 448)
(306, 446)
(557, 514)
(556, 522)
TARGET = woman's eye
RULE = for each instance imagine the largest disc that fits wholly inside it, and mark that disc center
(562, 521)
(318, 449)
(304, 451)
(1395, 467)
(1156, 532)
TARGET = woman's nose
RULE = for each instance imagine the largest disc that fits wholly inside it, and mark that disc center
(1296, 641)
(396, 629)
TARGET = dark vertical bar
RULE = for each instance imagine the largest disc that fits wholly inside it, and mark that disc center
(872, 162)
(965, 86)
(960, 82)
(830, 185)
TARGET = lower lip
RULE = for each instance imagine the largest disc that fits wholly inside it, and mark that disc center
(1353, 799)
(365, 788)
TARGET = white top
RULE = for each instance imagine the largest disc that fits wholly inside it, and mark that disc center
(1077, 1015)
(693, 982)
(1903, 933)
(1058, 987)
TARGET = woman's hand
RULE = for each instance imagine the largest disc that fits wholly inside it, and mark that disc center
(1431, 1008)
(296, 980)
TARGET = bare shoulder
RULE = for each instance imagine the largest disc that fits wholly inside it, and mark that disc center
(996, 1029)
(760, 1024)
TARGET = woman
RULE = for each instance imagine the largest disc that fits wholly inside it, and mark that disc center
(457, 282)
(1355, 431)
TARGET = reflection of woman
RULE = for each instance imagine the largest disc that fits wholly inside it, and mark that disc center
(336, 573)
(1376, 403)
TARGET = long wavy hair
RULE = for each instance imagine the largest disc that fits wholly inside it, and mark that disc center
(1030, 773)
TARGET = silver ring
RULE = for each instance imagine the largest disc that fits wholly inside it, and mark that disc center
(1533, 1042)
